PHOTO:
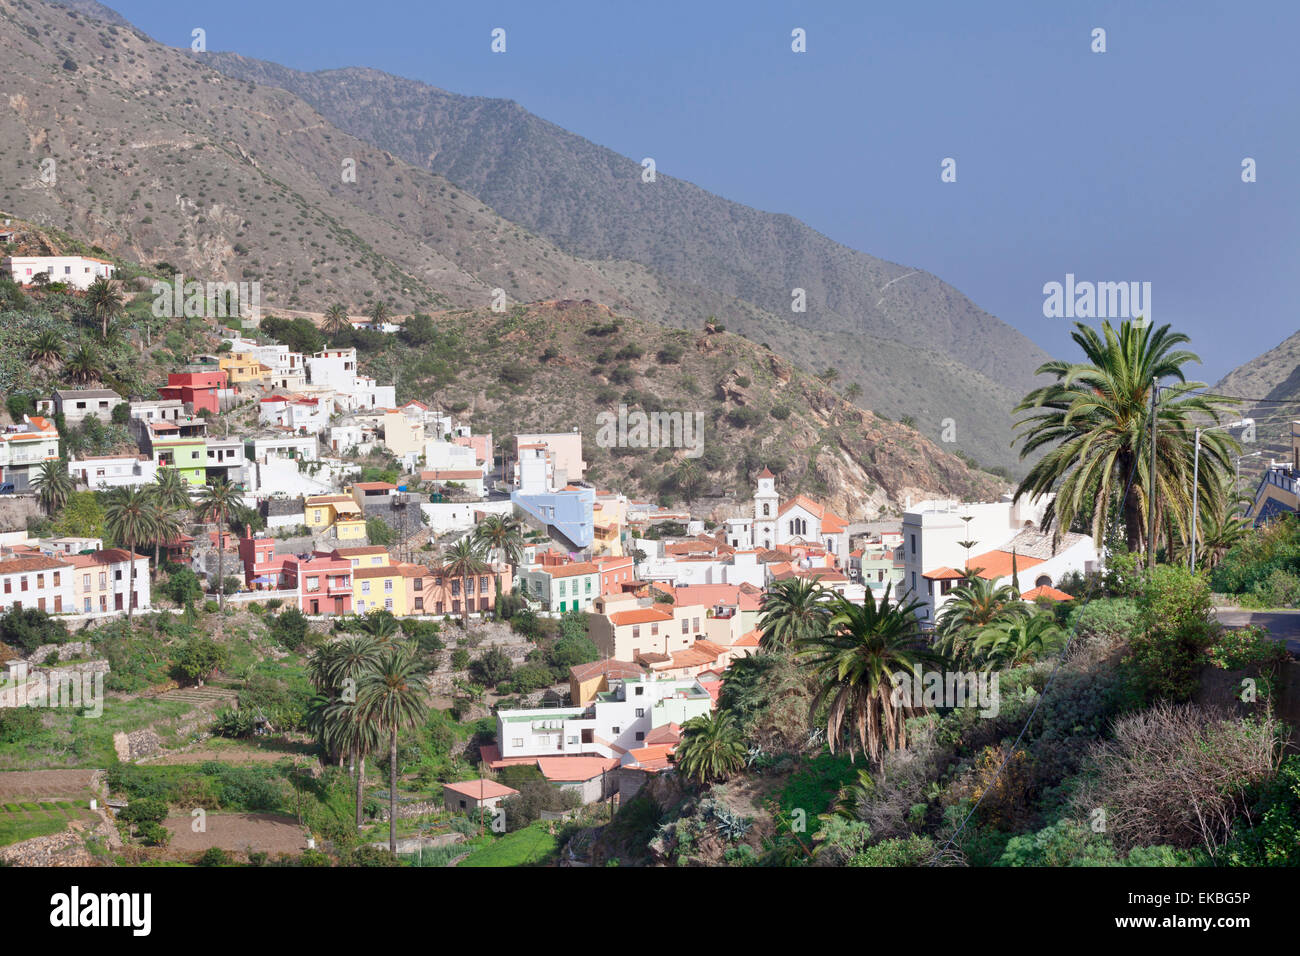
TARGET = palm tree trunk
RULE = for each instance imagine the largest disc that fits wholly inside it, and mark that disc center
(130, 576)
(464, 604)
(361, 783)
(392, 789)
(221, 563)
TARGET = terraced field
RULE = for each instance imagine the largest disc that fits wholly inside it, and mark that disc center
(23, 821)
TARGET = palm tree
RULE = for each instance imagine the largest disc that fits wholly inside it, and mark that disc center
(105, 301)
(502, 540)
(336, 320)
(793, 610)
(380, 626)
(46, 349)
(711, 748)
(53, 485)
(347, 730)
(689, 480)
(1094, 421)
(378, 312)
(392, 695)
(216, 502)
(171, 492)
(1011, 643)
(854, 662)
(131, 516)
(461, 561)
(973, 605)
(84, 364)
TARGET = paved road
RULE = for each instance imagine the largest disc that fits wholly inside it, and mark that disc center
(1282, 625)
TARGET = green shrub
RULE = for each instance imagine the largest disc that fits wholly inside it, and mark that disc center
(1168, 650)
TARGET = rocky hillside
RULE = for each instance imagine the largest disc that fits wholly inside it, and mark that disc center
(240, 174)
(558, 365)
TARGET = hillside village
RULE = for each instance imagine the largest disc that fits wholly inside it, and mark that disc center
(352, 516)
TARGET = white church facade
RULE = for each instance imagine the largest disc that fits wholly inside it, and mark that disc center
(798, 521)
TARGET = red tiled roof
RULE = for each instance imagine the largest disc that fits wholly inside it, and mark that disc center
(942, 573)
(482, 789)
(642, 615)
(1046, 591)
(997, 564)
(568, 769)
(669, 733)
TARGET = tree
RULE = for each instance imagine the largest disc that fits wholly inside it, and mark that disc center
(974, 605)
(493, 667)
(793, 610)
(84, 364)
(462, 561)
(171, 493)
(104, 299)
(1094, 420)
(501, 539)
(711, 748)
(216, 502)
(393, 696)
(378, 312)
(1019, 640)
(854, 663)
(199, 657)
(380, 626)
(131, 516)
(348, 730)
(336, 321)
(46, 349)
(689, 480)
(53, 485)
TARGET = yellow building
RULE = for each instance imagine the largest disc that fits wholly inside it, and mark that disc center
(243, 368)
(365, 556)
(339, 512)
(609, 516)
(378, 588)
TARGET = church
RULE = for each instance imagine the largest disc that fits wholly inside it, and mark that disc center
(798, 521)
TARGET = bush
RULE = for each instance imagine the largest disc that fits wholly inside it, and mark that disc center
(19, 724)
(1271, 834)
(1177, 774)
(492, 668)
(197, 658)
(459, 659)
(1168, 650)
(182, 586)
(1106, 622)
(289, 629)
(912, 851)
(147, 810)
(213, 856)
(380, 532)
(155, 834)
(29, 628)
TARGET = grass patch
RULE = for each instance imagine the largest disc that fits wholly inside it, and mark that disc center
(531, 846)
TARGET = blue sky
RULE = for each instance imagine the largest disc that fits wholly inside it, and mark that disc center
(1115, 166)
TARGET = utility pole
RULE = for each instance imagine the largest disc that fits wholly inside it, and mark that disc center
(1151, 483)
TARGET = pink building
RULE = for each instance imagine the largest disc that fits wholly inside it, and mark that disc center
(196, 389)
(324, 583)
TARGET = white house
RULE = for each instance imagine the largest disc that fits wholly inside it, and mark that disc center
(285, 446)
(101, 472)
(617, 721)
(77, 271)
(943, 539)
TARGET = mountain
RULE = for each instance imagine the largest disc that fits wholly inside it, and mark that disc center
(1270, 388)
(915, 346)
(555, 366)
(159, 158)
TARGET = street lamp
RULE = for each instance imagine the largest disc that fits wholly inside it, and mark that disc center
(1236, 486)
(1196, 467)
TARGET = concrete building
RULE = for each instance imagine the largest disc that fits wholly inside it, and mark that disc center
(101, 472)
(24, 447)
(79, 272)
(78, 404)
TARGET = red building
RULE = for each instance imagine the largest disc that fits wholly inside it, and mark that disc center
(324, 584)
(196, 389)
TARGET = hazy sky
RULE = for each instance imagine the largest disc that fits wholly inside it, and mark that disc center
(1116, 166)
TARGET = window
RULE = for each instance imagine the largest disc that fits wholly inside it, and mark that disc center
(640, 691)
(615, 731)
(85, 582)
(640, 711)
(388, 604)
(517, 742)
(696, 623)
(913, 540)
(640, 735)
(636, 630)
(654, 629)
(573, 740)
(365, 587)
(388, 585)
